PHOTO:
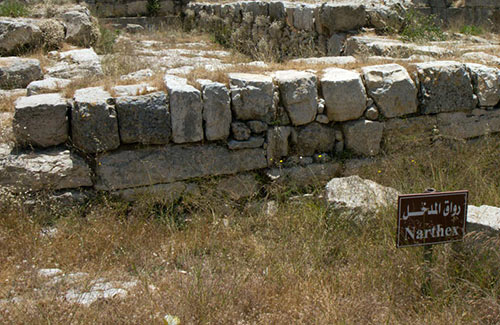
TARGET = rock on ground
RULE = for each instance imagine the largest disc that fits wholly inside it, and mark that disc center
(17, 34)
(81, 28)
(80, 63)
(484, 216)
(18, 72)
(48, 85)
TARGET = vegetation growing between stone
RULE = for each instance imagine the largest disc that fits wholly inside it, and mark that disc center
(418, 27)
(213, 260)
(11, 8)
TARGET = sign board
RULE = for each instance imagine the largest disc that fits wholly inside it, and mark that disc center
(431, 218)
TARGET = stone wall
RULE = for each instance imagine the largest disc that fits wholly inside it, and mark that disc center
(134, 8)
(293, 124)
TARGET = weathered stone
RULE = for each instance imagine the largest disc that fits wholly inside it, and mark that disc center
(41, 120)
(392, 89)
(371, 113)
(148, 166)
(43, 170)
(18, 34)
(185, 109)
(159, 192)
(252, 142)
(138, 75)
(132, 90)
(257, 126)
(303, 17)
(486, 82)
(445, 86)
(335, 44)
(134, 28)
(216, 110)
(144, 119)
(322, 118)
(482, 57)
(484, 216)
(299, 95)
(312, 174)
(342, 17)
(330, 60)
(278, 143)
(94, 125)
(81, 28)
(49, 85)
(344, 93)
(314, 138)
(359, 197)
(239, 186)
(240, 131)
(385, 18)
(251, 94)
(461, 125)
(81, 63)
(18, 72)
(363, 137)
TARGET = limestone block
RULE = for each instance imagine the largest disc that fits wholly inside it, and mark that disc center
(251, 94)
(314, 138)
(240, 131)
(299, 95)
(335, 44)
(81, 29)
(252, 142)
(132, 90)
(486, 83)
(49, 85)
(344, 93)
(185, 109)
(41, 120)
(49, 169)
(164, 193)
(461, 125)
(278, 143)
(445, 86)
(363, 136)
(17, 34)
(312, 174)
(155, 165)
(342, 17)
(303, 17)
(392, 89)
(94, 125)
(216, 110)
(257, 126)
(18, 72)
(144, 119)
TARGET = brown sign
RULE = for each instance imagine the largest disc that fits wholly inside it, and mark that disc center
(431, 218)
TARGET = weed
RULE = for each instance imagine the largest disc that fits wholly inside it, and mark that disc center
(106, 43)
(153, 7)
(471, 30)
(11, 8)
(418, 27)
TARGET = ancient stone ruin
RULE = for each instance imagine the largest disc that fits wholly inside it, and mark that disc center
(292, 124)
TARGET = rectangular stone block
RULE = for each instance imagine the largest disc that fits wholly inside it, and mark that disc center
(251, 94)
(216, 110)
(461, 125)
(155, 165)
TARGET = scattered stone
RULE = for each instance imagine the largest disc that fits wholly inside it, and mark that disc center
(240, 131)
(216, 110)
(144, 119)
(363, 137)
(18, 72)
(133, 90)
(257, 126)
(48, 85)
(18, 34)
(278, 143)
(312, 174)
(344, 93)
(43, 170)
(252, 142)
(322, 118)
(371, 113)
(49, 273)
(88, 298)
(486, 82)
(392, 89)
(271, 208)
(361, 197)
(41, 120)
(327, 60)
(80, 63)
(482, 57)
(185, 109)
(138, 75)
(299, 95)
(314, 138)
(251, 95)
(155, 165)
(445, 86)
(94, 124)
(134, 28)
(239, 186)
(484, 216)
(81, 28)
(461, 125)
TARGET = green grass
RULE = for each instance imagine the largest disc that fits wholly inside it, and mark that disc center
(418, 27)
(471, 30)
(11, 8)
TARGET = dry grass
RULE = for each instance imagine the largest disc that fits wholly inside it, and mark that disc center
(217, 261)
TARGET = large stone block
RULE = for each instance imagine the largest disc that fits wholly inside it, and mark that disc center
(278, 143)
(94, 125)
(41, 120)
(17, 34)
(339, 17)
(155, 165)
(81, 28)
(445, 86)
(144, 119)
(313, 138)
(312, 174)
(344, 93)
(363, 136)
(299, 95)
(486, 82)
(461, 125)
(216, 110)
(392, 89)
(18, 72)
(49, 85)
(185, 109)
(51, 169)
(252, 95)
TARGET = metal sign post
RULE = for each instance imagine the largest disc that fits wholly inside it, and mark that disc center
(430, 218)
